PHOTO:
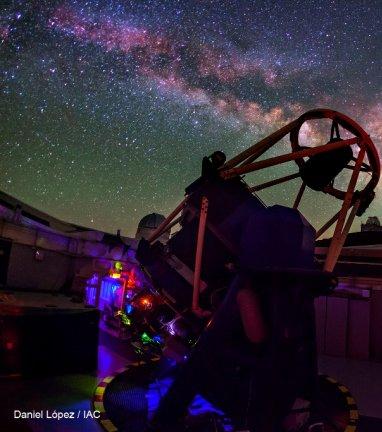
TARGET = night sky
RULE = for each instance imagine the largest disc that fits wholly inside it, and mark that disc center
(107, 107)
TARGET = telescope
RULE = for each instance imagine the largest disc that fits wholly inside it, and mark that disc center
(223, 230)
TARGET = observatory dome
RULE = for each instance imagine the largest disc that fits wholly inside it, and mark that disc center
(148, 224)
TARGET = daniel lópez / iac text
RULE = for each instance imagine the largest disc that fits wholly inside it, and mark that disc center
(56, 415)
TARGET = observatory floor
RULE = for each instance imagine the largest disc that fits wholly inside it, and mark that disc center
(74, 392)
(61, 393)
(363, 378)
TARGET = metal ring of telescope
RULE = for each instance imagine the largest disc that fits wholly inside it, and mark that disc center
(352, 127)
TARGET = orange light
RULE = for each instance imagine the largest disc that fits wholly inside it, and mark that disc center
(115, 275)
(146, 303)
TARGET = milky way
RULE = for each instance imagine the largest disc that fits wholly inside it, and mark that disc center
(107, 107)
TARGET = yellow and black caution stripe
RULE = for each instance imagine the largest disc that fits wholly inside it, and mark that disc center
(349, 402)
(98, 401)
(98, 397)
(350, 405)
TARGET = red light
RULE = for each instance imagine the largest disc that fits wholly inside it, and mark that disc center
(9, 346)
(131, 282)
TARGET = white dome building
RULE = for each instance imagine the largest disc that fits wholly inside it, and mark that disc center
(148, 224)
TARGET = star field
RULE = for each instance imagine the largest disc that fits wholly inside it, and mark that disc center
(107, 107)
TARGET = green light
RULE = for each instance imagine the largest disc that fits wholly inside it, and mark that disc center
(123, 317)
(145, 338)
(118, 266)
(126, 320)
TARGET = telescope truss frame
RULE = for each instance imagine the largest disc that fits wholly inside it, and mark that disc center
(354, 202)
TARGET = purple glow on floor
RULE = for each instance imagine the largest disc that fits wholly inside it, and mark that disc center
(199, 406)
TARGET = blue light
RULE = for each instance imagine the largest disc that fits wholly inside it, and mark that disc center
(129, 308)
(90, 295)
(107, 289)
(157, 339)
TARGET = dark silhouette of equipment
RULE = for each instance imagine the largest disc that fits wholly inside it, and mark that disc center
(225, 230)
(320, 170)
(276, 244)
